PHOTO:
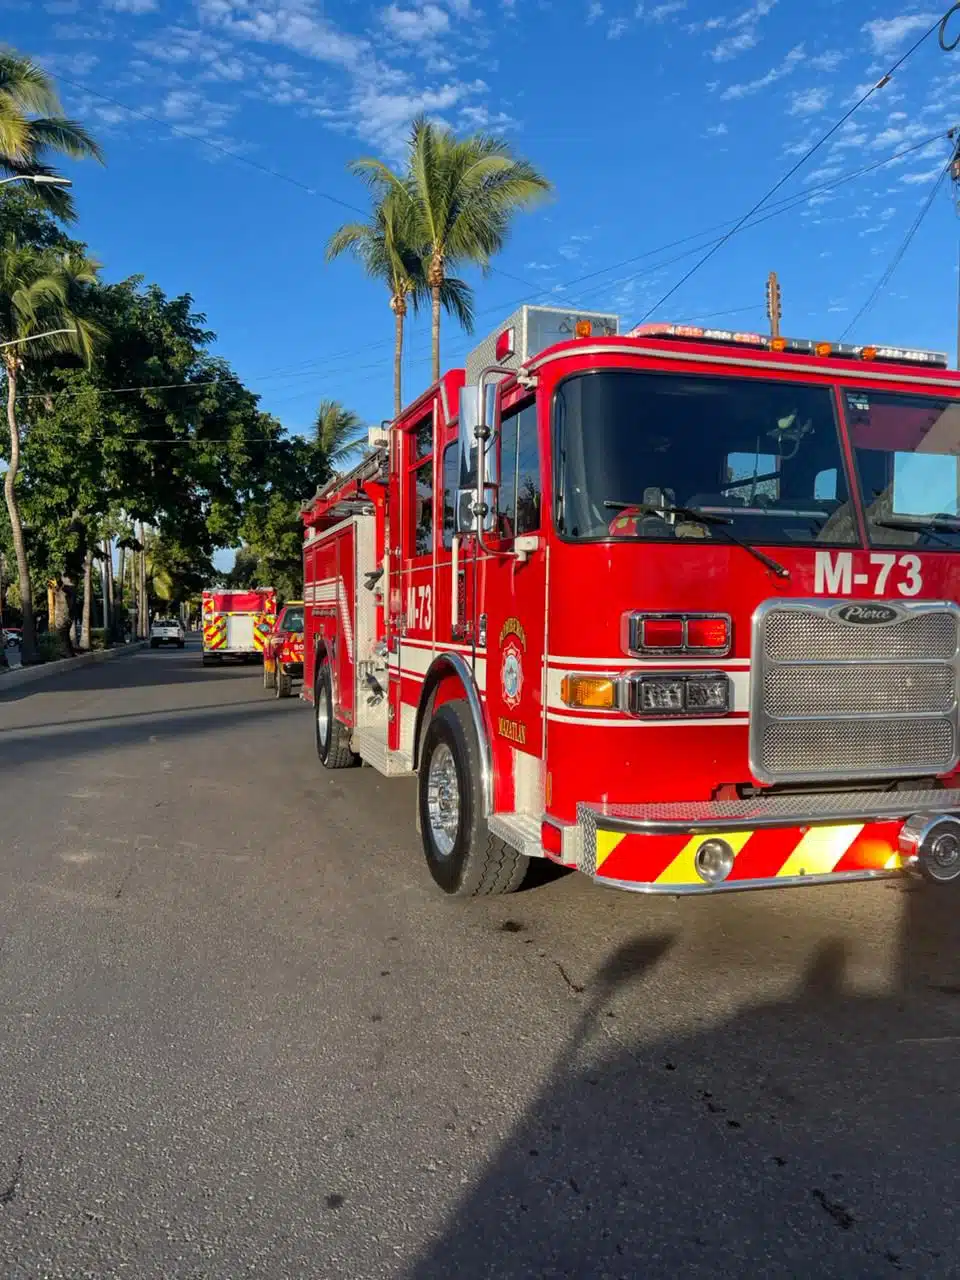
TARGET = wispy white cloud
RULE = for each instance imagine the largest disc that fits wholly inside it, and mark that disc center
(743, 26)
(660, 12)
(925, 175)
(416, 26)
(131, 6)
(617, 28)
(70, 64)
(716, 130)
(594, 11)
(789, 64)
(887, 34)
(827, 61)
(733, 46)
(809, 102)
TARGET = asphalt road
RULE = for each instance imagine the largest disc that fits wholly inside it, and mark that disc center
(242, 1035)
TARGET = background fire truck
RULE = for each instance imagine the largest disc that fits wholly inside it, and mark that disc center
(283, 650)
(235, 623)
(675, 608)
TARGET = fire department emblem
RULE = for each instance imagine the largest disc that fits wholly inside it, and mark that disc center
(511, 675)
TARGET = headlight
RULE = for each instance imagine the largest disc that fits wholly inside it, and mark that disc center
(704, 694)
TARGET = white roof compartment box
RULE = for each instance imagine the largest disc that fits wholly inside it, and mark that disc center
(535, 329)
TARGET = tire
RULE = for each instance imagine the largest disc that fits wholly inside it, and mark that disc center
(333, 738)
(211, 660)
(283, 683)
(181, 643)
(269, 678)
(462, 855)
(154, 644)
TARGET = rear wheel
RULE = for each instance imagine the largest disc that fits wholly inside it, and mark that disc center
(463, 856)
(211, 660)
(333, 738)
(154, 644)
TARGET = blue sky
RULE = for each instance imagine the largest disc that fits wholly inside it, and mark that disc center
(654, 121)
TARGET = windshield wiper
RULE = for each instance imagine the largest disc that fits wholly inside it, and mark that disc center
(705, 517)
(933, 526)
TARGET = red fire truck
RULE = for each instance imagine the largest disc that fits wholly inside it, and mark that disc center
(236, 623)
(675, 607)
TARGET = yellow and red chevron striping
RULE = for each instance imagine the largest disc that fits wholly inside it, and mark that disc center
(215, 633)
(765, 854)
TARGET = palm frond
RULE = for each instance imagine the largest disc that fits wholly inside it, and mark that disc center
(26, 84)
(456, 298)
(66, 136)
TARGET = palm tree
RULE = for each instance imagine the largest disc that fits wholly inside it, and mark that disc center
(36, 319)
(32, 125)
(385, 249)
(338, 431)
(461, 195)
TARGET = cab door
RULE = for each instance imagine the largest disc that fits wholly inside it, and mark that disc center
(513, 588)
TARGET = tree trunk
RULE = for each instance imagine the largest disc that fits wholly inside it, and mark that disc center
(144, 618)
(87, 600)
(121, 572)
(28, 647)
(106, 588)
(435, 330)
(398, 311)
(64, 601)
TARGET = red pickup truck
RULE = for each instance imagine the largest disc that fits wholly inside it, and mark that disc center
(283, 650)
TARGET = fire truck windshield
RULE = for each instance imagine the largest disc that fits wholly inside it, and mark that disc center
(638, 454)
(907, 452)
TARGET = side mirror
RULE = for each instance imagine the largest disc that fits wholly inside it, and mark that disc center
(466, 520)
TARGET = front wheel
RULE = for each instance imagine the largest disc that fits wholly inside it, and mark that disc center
(283, 682)
(463, 856)
(333, 738)
(154, 644)
(269, 676)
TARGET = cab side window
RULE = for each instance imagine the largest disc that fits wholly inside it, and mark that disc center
(420, 489)
(519, 496)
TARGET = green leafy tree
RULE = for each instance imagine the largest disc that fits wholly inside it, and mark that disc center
(386, 249)
(458, 197)
(33, 126)
(37, 287)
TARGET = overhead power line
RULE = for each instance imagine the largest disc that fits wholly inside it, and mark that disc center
(901, 250)
(323, 367)
(810, 151)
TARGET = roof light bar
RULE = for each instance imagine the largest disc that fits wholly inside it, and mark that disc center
(796, 346)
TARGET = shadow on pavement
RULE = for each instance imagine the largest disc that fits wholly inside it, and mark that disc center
(815, 1135)
(138, 670)
(70, 743)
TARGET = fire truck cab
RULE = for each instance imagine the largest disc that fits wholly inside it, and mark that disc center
(675, 607)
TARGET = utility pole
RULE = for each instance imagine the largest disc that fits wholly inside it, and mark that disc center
(774, 308)
(955, 179)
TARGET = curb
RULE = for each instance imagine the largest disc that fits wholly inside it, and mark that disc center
(44, 670)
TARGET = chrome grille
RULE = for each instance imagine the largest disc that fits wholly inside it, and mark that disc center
(834, 700)
(859, 746)
(871, 689)
(795, 635)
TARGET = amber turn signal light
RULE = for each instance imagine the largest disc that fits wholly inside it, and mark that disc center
(598, 692)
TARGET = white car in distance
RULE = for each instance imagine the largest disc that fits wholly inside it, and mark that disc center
(167, 631)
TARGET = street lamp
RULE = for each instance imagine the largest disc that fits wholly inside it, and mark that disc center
(33, 337)
(42, 179)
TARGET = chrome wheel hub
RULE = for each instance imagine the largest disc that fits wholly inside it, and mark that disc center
(323, 716)
(443, 800)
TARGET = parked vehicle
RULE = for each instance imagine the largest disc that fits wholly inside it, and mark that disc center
(283, 650)
(12, 637)
(236, 623)
(676, 608)
(167, 631)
